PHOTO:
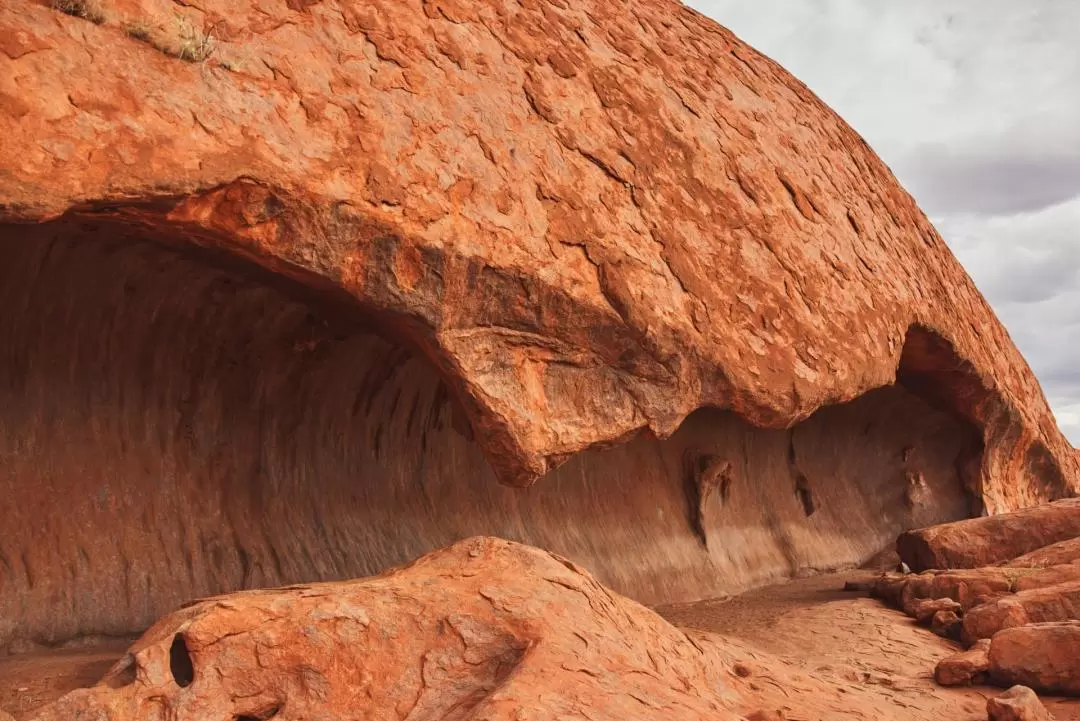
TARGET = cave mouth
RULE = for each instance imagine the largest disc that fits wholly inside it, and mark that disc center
(175, 425)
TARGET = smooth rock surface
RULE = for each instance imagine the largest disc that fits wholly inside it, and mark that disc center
(985, 541)
(1044, 656)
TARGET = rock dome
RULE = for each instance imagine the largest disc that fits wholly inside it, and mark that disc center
(299, 290)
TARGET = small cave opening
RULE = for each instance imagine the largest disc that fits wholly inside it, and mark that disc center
(930, 368)
(179, 423)
(180, 664)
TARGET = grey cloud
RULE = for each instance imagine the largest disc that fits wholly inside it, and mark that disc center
(992, 184)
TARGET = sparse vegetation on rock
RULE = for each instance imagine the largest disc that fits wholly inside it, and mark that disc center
(91, 10)
(195, 43)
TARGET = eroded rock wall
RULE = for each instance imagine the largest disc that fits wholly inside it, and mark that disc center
(600, 216)
(172, 426)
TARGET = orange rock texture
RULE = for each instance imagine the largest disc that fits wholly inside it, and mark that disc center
(484, 629)
(1021, 618)
(1019, 703)
(1033, 537)
(289, 288)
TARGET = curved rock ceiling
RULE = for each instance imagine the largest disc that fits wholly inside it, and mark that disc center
(293, 312)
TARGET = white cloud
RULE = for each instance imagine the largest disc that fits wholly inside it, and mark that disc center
(974, 107)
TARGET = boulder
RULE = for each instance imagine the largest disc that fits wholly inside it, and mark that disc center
(483, 629)
(298, 291)
(969, 587)
(1044, 656)
(966, 667)
(1039, 605)
(927, 608)
(1019, 703)
(989, 540)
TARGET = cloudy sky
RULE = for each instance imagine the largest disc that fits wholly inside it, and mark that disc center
(975, 105)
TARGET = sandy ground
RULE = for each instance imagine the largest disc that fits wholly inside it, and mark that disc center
(874, 661)
(874, 656)
(30, 680)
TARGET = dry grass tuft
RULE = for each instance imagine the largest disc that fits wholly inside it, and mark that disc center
(138, 30)
(195, 45)
(86, 9)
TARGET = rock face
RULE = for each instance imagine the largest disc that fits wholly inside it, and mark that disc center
(979, 542)
(483, 630)
(292, 312)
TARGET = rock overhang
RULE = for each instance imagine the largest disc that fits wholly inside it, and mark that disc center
(591, 229)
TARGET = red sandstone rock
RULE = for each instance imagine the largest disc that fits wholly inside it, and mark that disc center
(1039, 605)
(1019, 703)
(985, 541)
(926, 608)
(1044, 656)
(966, 587)
(1056, 554)
(966, 667)
(484, 629)
(947, 624)
(292, 311)
(969, 587)
(573, 208)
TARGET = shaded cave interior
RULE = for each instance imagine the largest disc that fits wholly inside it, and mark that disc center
(175, 424)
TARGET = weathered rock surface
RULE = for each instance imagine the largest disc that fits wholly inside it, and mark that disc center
(1038, 605)
(1019, 703)
(925, 609)
(292, 311)
(989, 540)
(1056, 554)
(966, 587)
(484, 629)
(1044, 656)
